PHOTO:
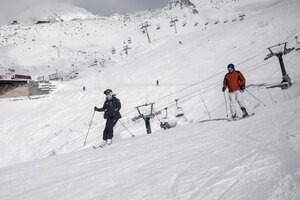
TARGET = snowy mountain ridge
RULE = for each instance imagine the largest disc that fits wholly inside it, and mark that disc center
(182, 4)
(53, 12)
(74, 23)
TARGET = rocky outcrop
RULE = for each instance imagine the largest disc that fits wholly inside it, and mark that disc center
(183, 4)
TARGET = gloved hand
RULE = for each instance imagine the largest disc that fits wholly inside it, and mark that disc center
(95, 108)
(223, 89)
(242, 88)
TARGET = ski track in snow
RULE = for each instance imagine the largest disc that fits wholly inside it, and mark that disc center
(244, 162)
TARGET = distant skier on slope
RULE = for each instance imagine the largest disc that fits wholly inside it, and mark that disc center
(111, 108)
(235, 81)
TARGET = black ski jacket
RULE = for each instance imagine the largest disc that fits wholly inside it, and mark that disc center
(111, 108)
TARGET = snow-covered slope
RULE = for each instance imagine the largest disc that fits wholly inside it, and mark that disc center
(45, 11)
(204, 157)
(206, 160)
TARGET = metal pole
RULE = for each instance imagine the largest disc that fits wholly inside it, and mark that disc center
(144, 26)
(89, 129)
(175, 27)
(148, 126)
(281, 64)
(256, 98)
(126, 129)
(166, 112)
(148, 35)
(206, 106)
(173, 23)
(285, 76)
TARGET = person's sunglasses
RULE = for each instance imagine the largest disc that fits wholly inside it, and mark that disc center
(229, 69)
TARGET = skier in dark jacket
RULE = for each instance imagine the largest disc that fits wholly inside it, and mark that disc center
(235, 81)
(111, 109)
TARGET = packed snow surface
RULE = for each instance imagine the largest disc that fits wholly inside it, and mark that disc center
(42, 155)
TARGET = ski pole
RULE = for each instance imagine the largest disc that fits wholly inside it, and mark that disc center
(89, 129)
(205, 106)
(126, 129)
(226, 104)
(255, 98)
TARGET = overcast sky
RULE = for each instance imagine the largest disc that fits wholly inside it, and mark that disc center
(108, 7)
(10, 8)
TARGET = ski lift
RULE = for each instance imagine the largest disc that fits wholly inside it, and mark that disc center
(166, 116)
(165, 121)
(242, 16)
(196, 24)
(179, 111)
(129, 40)
(158, 27)
(184, 24)
(165, 125)
(113, 51)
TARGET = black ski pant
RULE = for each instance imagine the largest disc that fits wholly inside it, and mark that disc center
(108, 132)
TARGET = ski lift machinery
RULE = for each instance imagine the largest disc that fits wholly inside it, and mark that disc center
(179, 110)
(146, 116)
(286, 80)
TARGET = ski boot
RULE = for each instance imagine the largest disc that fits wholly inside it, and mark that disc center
(233, 117)
(245, 113)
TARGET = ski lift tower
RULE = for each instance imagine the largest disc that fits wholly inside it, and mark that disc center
(144, 27)
(286, 80)
(173, 23)
(146, 116)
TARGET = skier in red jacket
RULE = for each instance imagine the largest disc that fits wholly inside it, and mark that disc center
(235, 81)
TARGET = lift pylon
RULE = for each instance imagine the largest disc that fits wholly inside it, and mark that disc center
(286, 80)
(146, 116)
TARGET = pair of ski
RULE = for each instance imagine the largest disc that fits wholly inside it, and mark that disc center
(239, 118)
(101, 146)
(283, 85)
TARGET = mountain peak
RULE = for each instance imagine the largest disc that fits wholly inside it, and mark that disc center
(183, 4)
(54, 12)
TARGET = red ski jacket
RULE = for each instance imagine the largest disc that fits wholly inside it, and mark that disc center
(234, 81)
